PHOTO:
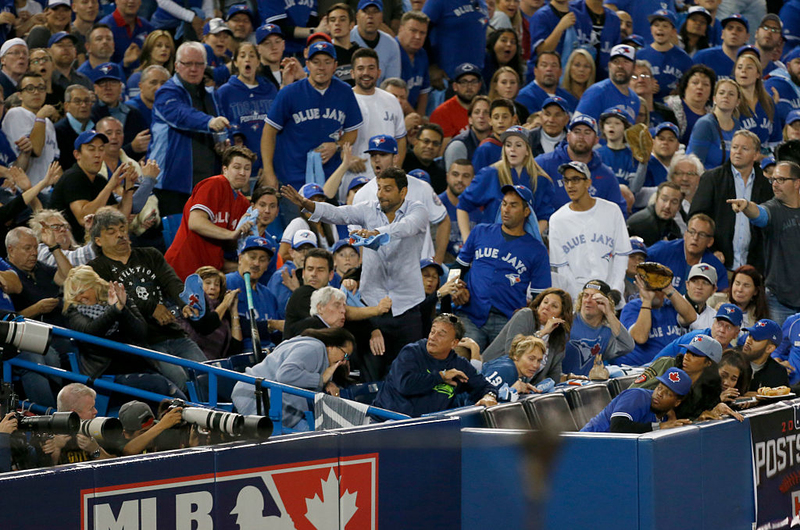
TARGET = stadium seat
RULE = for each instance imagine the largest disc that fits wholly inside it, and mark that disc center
(169, 227)
(241, 361)
(471, 416)
(549, 412)
(362, 392)
(618, 384)
(587, 401)
(507, 416)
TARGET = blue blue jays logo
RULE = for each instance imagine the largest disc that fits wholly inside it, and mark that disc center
(318, 46)
(608, 256)
(513, 278)
(377, 141)
(587, 349)
(729, 310)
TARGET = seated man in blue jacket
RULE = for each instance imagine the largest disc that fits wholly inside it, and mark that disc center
(427, 375)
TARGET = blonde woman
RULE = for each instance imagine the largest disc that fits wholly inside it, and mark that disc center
(580, 72)
(757, 108)
(525, 359)
(517, 166)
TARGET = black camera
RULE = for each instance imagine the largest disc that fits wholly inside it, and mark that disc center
(57, 423)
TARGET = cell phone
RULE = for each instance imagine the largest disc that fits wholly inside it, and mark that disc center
(745, 400)
(454, 274)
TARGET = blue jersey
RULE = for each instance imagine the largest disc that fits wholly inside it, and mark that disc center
(415, 74)
(768, 130)
(604, 95)
(633, 404)
(501, 371)
(532, 96)
(620, 161)
(706, 143)
(789, 349)
(305, 119)
(639, 10)
(545, 20)
(7, 154)
(672, 254)
(668, 67)
(501, 269)
(264, 304)
(5, 301)
(790, 16)
(451, 20)
(485, 192)
(475, 217)
(246, 108)
(123, 36)
(289, 13)
(674, 348)
(489, 152)
(664, 329)
(279, 291)
(584, 343)
(217, 63)
(604, 183)
(780, 80)
(656, 173)
(716, 59)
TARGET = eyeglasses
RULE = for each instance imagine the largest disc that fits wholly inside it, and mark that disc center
(80, 101)
(700, 235)
(428, 141)
(641, 76)
(779, 180)
(685, 173)
(40, 60)
(58, 227)
(771, 29)
(346, 353)
(30, 89)
(573, 180)
(192, 64)
(17, 53)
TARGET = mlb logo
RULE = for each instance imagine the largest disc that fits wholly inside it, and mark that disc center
(795, 507)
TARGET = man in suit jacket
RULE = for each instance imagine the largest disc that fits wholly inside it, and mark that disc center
(738, 178)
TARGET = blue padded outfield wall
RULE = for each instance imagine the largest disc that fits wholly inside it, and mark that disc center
(431, 474)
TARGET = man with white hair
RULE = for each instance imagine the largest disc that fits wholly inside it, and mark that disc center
(685, 171)
(184, 119)
(327, 310)
(14, 60)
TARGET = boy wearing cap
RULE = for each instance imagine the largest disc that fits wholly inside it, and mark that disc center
(140, 428)
(721, 59)
(303, 119)
(210, 217)
(502, 115)
(33, 119)
(614, 91)
(345, 257)
(368, 34)
(615, 153)
(216, 40)
(669, 62)
(637, 256)
(588, 237)
(763, 338)
(700, 285)
(637, 410)
(271, 45)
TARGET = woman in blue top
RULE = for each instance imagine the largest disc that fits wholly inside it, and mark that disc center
(757, 107)
(524, 360)
(245, 100)
(712, 134)
(517, 166)
(694, 94)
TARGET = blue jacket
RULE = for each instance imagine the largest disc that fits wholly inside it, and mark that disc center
(604, 182)
(414, 386)
(174, 122)
(485, 192)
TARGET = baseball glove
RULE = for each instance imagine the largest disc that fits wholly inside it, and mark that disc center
(654, 275)
(640, 141)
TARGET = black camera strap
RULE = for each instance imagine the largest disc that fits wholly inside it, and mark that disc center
(262, 398)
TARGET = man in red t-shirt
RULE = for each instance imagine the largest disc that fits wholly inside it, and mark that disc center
(452, 115)
(210, 216)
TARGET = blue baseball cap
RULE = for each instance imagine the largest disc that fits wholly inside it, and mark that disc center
(580, 167)
(466, 69)
(420, 174)
(766, 329)
(731, 313)
(617, 111)
(748, 48)
(304, 237)
(667, 126)
(87, 136)
(363, 4)
(705, 346)
(700, 10)
(241, 8)
(382, 143)
(520, 190)
(793, 116)
(342, 243)
(770, 160)
(266, 30)
(107, 71)
(634, 40)
(516, 130)
(259, 243)
(736, 17)
(311, 190)
(428, 262)
(556, 100)
(792, 55)
(638, 246)
(356, 182)
(61, 35)
(321, 47)
(677, 380)
(663, 14)
(583, 119)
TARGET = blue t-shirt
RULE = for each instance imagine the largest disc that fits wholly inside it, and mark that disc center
(664, 329)
(656, 173)
(673, 255)
(415, 74)
(451, 21)
(264, 304)
(668, 67)
(584, 343)
(485, 192)
(639, 10)
(620, 161)
(604, 95)
(716, 59)
(489, 152)
(705, 141)
(545, 20)
(633, 404)
(291, 13)
(532, 96)
(305, 119)
(501, 269)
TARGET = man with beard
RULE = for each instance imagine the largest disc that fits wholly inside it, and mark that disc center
(615, 90)
(62, 46)
(452, 115)
(381, 110)
(458, 179)
(657, 222)
(405, 221)
(464, 145)
(763, 338)
(724, 329)
(787, 82)
(637, 410)
(547, 74)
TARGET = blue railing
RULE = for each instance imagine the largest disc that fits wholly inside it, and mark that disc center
(276, 389)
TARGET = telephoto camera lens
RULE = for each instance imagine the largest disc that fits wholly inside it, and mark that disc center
(225, 422)
(57, 423)
(103, 429)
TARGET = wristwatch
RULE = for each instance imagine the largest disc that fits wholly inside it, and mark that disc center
(96, 454)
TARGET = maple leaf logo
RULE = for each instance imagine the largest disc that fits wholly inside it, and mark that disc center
(322, 512)
(675, 377)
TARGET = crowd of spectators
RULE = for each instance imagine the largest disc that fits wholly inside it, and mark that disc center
(408, 189)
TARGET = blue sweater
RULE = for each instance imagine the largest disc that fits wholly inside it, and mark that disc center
(706, 143)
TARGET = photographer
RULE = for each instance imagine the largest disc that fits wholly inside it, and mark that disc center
(140, 427)
(7, 426)
(68, 449)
